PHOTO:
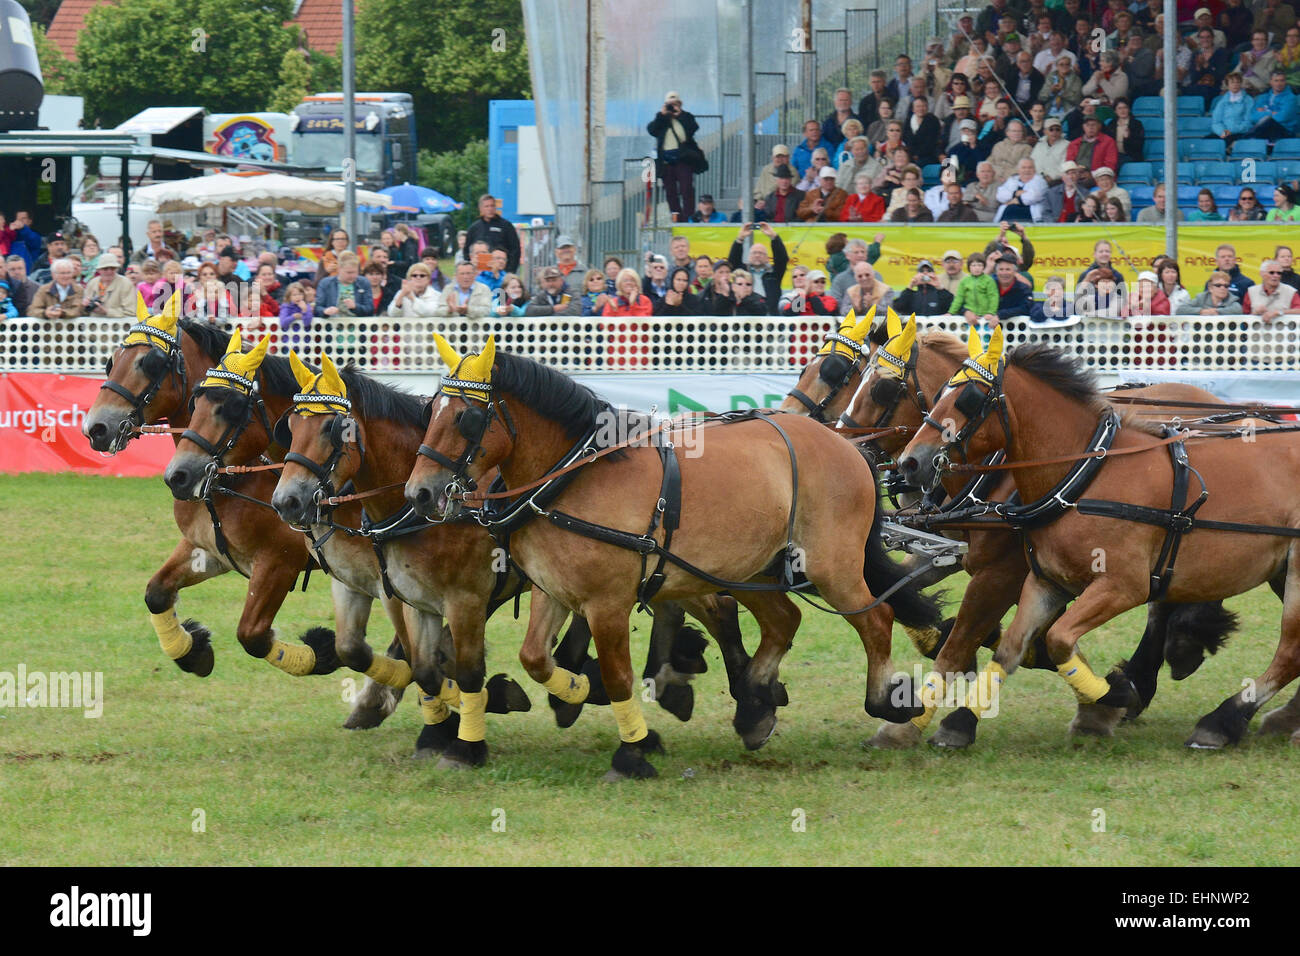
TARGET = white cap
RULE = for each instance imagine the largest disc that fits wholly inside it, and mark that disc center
(952, 254)
(816, 274)
(827, 171)
(1148, 277)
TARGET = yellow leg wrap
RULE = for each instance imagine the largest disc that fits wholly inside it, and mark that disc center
(473, 710)
(1087, 686)
(386, 670)
(569, 687)
(449, 693)
(983, 694)
(631, 724)
(433, 709)
(923, 640)
(296, 659)
(175, 640)
(931, 695)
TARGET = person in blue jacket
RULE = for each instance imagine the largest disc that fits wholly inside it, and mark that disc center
(1232, 116)
(1015, 297)
(812, 139)
(27, 241)
(1274, 114)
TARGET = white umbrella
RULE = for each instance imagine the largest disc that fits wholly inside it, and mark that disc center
(268, 190)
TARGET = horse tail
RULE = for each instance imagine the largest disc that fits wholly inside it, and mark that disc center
(912, 608)
(1194, 631)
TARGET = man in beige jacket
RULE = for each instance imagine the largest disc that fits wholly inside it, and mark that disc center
(60, 298)
(465, 297)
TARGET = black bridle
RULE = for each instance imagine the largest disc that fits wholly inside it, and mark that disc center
(236, 424)
(173, 365)
(473, 423)
(861, 352)
(337, 431)
(977, 401)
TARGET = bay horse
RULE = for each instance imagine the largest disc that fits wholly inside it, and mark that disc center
(828, 382)
(343, 426)
(232, 409)
(1226, 512)
(804, 500)
(907, 371)
(150, 376)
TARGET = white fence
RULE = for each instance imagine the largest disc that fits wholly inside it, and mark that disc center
(750, 344)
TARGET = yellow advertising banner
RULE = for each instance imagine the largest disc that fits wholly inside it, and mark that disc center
(1063, 250)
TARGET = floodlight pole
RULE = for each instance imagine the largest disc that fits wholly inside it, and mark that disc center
(349, 125)
(1171, 128)
(747, 117)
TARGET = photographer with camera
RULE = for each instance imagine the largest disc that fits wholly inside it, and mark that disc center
(107, 293)
(924, 295)
(677, 157)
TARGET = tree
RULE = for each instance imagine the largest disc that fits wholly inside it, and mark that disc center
(57, 71)
(211, 53)
(452, 58)
(461, 174)
(41, 12)
(295, 82)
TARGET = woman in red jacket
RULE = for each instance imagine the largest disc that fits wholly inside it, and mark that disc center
(628, 344)
(862, 205)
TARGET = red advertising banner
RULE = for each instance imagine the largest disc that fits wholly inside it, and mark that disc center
(40, 430)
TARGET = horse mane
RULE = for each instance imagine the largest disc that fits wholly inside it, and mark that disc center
(277, 374)
(211, 339)
(548, 392)
(949, 346)
(1066, 373)
(374, 399)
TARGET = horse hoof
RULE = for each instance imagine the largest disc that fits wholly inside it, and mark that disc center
(687, 653)
(902, 736)
(434, 739)
(1096, 720)
(505, 696)
(463, 755)
(199, 659)
(678, 700)
(321, 642)
(565, 713)
(957, 730)
(900, 703)
(629, 761)
(1279, 722)
(760, 733)
(1223, 726)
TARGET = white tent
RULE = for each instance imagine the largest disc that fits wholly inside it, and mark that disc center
(266, 190)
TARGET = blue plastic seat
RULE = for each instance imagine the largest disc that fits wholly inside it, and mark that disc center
(1250, 149)
(1154, 150)
(1145, 106)
(1286, 149)
(930, 174)
(1216, 172)
(1195, 149)
(1187, 175)
(1225, 197)
(1136, 173)
(1288, 169)
(1191, 106)
(1257, 172)
(1193, 126)
(1265, 193)
(1141, 195)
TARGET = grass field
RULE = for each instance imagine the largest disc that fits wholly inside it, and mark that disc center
(263, 757)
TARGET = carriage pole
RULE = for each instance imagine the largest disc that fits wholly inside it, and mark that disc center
(1171, 128)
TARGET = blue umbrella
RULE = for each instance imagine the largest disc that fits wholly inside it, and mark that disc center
(416, 197)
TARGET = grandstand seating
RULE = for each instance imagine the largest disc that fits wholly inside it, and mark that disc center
(1215, 172)
(1148, 107)
(1137, 173)
(1249, 149)
(1286, 149)
(1193, 126)
(1191, 106)
(1190, 150)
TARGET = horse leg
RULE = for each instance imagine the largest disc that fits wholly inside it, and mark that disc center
(377, 699)
(928, 641)
(719, 615)
(570, 689)
(466, 621)
(761, 692)
(438, 692)
(675, 656)
(570, 654)
(1038, 605)
(1283, 720)
(1143, 668)
(991, 591)
(609, 630)
(188, 644)
(268, 585)
(1227, 723)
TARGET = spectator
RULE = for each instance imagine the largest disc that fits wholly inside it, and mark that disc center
(210, 300)
(62, 297)
(1099, 297)
(1047, 58)
(655, 283)
(613, 266)
(968, 64)
(1170, 286)
(511, 299)
(56, 247)
(438, 281)
(1015, 298)
(373, 273)
(924, 295)
(468, 298)
(416, 297)
(552, 298)
(767, 271)
(898, 196)
(566, 259)
(1285, 259)
(936, 73)
(756, 214)
(969, 153)
(108, 293)
(629, 300)
(1225, 259)
(594, 293)
(1156, 213)
(791, 302)
(867, 290)
(986, 107)
(1139, 64)
(1284, 205)
(1208, 68)
(1271, 298)
(1048, 153)
(89, 253)
(495, 232)
(1093, 150)
(1257, 64)
(339, 243)
(1204, 20)
(1053, 307)
(346, 293)
(901, 82)
(295, 310)
(921, 133)
(1234, 21)
(852, 128)
(855, 250)
(1101, 259)
(859, 161)
(869, 105)
(1023, 82)
(380, 256)
(783, 204)
(812, 139)
(836, 260)
(26, 244)
(1275, 17)
(1075, 119)
(821, 159)
(21, 289)
(952, 126)
(912, 210)
(703, 274)
(1023, 197)
(1008, 153)
(945, 102)
(677, 156)
(888, 138)
(153, 244)
(679, 255)
(952, 275)
(824, 203)
(1232, 114)
(862, 205)
(1288, 58)
(151, 283)
(958, 209)
(175, 280)
(982, 195)
(705, 211)
(1106, 189)
(1127, 132)
(1112, 210)
(409, 242)
(936, 197)
(813, 300)
(977, 294)
(767, 175)
(1062, 90)
(843, 112)
(677, 298)
(732, 293)
(1145, 298)
(1248, 208)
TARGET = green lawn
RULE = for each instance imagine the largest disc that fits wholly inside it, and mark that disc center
(264, 758)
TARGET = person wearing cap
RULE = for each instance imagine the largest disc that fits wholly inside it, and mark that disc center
(566, 260)
(677, 155)
(869, 106)
(1093, 150)
(824, 202)
(491, 228)
(952, 274)
(108, 293)
(1204, 20)
(21, 289)
(924, 295)
(1065, 198)
(783, 203)
(1049, 152)
(767, 271)
(551, 298)
(950, 135)
(812, 300)
(655, 282)
(969, 154)
(1107, 190)
(767, 175)
(56, 247)
(706, 211)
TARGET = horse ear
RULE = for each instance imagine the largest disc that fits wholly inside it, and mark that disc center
(974, 344)
(253, 361)
(331, 383)
(301, 373)
(478, 368)
(236, 344)
(993, 355)
(893, 324)
(850, 320)
(170, 315)
(141, 310)
(908, 334)
(448, 354)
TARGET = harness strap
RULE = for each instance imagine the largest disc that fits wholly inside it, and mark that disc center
(1180, 520)
(669, 506)
(220, 536)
